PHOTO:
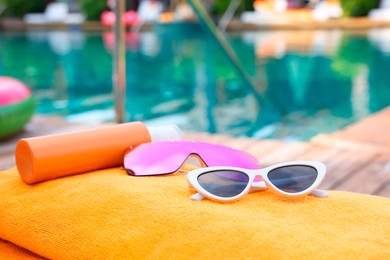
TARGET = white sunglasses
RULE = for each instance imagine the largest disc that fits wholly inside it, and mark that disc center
(227, 184)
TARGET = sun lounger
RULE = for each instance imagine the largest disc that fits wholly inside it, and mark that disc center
(57, 12)
(327, 10)
(149, 10)
(382, 13)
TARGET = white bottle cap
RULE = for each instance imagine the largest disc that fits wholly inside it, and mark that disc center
(164, 133)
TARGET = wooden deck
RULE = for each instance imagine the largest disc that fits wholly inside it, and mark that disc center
(357, 158)
(287, 21)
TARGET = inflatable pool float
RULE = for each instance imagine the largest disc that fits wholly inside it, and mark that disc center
(130, 18)
(16, 106)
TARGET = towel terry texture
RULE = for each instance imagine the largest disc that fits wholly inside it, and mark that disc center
(11, 251)
(109, 215)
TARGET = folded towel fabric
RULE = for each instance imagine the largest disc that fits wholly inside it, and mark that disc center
(109, 215)
(11, 251)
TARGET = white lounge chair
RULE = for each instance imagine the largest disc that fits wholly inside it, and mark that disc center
(382, 13)
(325, 10)
(149, 10)
(57, 12)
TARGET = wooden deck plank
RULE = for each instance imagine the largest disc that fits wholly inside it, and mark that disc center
(261, 147)
(7, 162)
(289, 20)
(373, 131)
(238, 143)
(370, 178)
(383, 190)
(345, 166)
(325, 154)
(281, 153)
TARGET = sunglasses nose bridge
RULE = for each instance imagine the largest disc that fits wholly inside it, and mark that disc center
(257, 178)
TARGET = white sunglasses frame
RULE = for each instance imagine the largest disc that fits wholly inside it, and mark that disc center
(192, 178)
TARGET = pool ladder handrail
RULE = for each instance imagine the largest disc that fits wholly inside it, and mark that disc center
(227, 16)
(206, 21)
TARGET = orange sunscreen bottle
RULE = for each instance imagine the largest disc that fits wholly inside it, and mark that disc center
(49, 157)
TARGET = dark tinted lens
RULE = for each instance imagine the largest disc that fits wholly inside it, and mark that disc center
(224, 183)
(293, 179)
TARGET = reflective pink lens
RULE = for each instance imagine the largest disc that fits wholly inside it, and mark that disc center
(167, 157)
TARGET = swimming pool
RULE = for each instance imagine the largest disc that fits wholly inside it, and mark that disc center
(307, 82)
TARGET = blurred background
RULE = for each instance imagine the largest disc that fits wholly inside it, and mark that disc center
(316, 66)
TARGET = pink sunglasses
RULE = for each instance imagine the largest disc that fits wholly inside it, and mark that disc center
(158, 158)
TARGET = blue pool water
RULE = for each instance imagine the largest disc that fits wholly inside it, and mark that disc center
(306, 82)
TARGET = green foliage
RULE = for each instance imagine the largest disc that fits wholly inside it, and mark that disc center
(356, 8)
(18, 8)
(247, 5)
(220, 6)
(93, 8)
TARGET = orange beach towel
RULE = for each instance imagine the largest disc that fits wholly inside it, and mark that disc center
(11, 251)
(109, 215)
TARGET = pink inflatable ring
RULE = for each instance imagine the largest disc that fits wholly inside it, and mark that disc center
(16, 106)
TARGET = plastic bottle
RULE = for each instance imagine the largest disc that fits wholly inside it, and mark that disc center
(49, 157)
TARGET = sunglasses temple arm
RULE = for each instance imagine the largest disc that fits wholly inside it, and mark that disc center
(197, 197)
(319, 194)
